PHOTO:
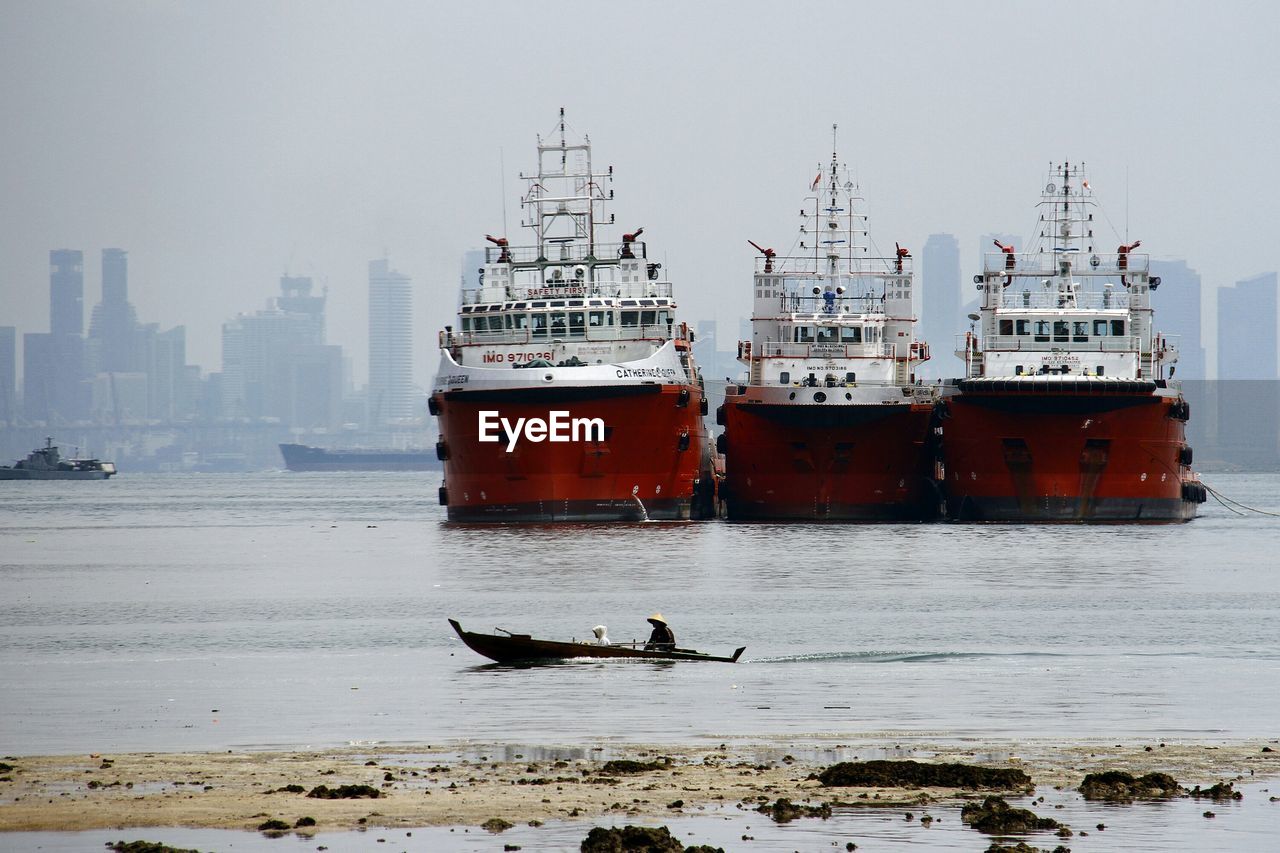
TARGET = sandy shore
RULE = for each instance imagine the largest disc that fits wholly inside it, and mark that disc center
(426, 786)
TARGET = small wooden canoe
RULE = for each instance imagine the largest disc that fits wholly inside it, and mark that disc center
(510, 648)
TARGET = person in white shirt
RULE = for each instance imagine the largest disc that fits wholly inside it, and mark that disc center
(602, 635)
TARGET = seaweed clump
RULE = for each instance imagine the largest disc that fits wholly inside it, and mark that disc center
(624, 766)
(996, 817)
(785, 811)
(1116, 786)
(344, 792)
(638, 839)
(1220, 791)
(914, 774)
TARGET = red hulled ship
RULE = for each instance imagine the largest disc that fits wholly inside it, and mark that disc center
(830, 424)
(567, 391)
(1065, 412)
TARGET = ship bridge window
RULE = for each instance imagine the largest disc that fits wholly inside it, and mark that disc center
(1117, 328)
(1059, 331)
(557, 324)
(664, 318)
(1080, 331)
(1099, 328)
(596, 319)
(630, 318)
(648, 318)
(1042, 331)
(520, 322)
(804, 334)
(872, 335)
(827, 334)
(851, 335)
(1006, 327)
(539, 325)
(784, 378)
(538, 304)
(466, 324)
(577, 323)
(1022, 327)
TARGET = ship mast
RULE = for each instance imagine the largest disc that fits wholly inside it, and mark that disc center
(562, 199)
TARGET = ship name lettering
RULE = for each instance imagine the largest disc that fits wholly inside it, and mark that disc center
(641, 372)
(558, 427)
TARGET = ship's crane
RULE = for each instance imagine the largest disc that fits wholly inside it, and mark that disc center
(769, 255)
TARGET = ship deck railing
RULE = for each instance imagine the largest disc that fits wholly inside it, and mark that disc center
(1081, 263)
(564, 250)
(545, 337)
(844, 306)
(1054, 343)
(1091, 300)
(1151, 359)
(786, 349)
(569, 289)
(858, 268)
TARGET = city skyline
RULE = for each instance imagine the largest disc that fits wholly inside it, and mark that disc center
(217, 177)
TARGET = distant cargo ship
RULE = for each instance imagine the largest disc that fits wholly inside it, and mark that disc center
(300, 457)
(46, 463)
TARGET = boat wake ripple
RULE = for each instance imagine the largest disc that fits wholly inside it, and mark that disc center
(900, 657)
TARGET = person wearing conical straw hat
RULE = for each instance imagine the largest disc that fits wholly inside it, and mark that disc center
(663, 639)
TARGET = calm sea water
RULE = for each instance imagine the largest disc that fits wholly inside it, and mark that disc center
(295, 610)
(310, 609)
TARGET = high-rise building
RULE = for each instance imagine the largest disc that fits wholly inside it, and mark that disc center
(115, 275)
(1247, 329)
(390, 345)
(316, 387)
(167, 394)
(1177, 310)
(38, 377)
(8, 375)
(942, 305)
(113, 326)
(66, 292)
(259, 352)
(295, 298)
(67, 390)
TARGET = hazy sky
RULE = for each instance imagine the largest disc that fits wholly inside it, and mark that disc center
(223, 144)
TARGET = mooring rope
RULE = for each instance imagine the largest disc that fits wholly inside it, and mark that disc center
(1224, 500)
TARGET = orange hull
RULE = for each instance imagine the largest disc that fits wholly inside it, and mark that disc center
(1020, 456)
(654, 461)
(828, 463)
